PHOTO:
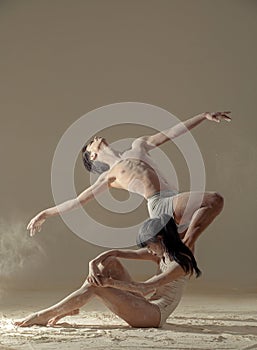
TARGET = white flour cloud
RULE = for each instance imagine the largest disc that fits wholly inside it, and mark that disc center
(19, 253)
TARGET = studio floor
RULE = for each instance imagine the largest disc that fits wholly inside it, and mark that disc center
(202, 321)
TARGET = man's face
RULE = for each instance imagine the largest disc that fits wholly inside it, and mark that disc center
(96, 144)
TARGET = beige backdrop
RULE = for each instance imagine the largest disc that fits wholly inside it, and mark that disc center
(61, 59)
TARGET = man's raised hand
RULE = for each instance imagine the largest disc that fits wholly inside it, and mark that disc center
(218, 116)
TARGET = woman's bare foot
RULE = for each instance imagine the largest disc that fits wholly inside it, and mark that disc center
(55, 319)
(31, 320)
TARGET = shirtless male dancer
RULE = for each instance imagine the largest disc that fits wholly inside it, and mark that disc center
(134, 171)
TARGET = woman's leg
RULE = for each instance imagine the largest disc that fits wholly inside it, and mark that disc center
(112, 268)
(55, 319)
(66, 306)
(131, 307)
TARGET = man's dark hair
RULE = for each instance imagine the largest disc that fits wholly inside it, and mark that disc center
(93, 166)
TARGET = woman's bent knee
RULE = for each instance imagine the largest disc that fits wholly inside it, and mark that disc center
(110, 260)
(111, 264)
(112, 267)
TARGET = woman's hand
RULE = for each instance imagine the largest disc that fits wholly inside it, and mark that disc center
(36, 223)
(95, 277)
(105, 281)
(94, 274)
(217, 116)
(99, 280)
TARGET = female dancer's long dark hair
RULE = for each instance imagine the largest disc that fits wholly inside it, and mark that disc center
(165, 226)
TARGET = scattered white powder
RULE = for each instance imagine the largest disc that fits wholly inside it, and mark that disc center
(17, 249)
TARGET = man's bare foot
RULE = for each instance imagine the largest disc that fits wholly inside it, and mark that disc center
(31, 320)
(55, 319)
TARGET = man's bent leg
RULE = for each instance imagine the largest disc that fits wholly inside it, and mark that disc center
(200, 212)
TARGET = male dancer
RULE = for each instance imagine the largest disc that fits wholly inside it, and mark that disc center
(133, 170)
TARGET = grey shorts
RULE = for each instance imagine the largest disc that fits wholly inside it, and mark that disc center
(162, 203)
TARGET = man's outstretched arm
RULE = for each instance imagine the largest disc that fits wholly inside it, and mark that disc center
(181, 128)
(102, 183)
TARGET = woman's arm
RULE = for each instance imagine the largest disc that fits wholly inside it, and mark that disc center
(94, 275)
(174, 272)
(138, 254)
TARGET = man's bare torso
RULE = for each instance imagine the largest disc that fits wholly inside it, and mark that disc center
(135, 171)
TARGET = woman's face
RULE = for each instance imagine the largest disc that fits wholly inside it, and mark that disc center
(156, 248)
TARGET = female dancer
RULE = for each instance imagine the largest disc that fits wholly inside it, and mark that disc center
(159, 241)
